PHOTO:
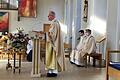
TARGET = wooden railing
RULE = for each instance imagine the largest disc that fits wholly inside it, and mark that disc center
(101, 46)
(101, 40)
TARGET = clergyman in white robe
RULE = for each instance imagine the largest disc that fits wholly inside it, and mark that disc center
(74, 56)
(88, 47)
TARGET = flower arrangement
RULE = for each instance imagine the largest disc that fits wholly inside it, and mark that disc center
(19, 39)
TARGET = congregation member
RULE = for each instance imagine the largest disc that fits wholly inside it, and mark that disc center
(29, 50)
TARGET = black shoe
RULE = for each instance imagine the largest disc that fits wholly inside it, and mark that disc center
(79, 65)
(72, 62)
(48, 74)
(54, 74)
(51, 74)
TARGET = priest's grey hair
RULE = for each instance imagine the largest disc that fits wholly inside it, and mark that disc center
(52, 13)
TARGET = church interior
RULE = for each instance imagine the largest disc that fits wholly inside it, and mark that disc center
(24, 20)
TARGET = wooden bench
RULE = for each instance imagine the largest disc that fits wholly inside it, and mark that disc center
(110, 70)
(95, 56)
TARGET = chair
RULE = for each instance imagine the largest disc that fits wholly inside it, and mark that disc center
(95, 56)
(19, 52)
(112, 68)
(67, 50)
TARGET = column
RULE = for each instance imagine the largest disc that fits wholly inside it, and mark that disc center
(76, 24)
(69, 19)
(113, 27)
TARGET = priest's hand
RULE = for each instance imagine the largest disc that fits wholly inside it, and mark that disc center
(49, 35)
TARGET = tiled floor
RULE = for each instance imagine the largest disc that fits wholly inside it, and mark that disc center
(72, 73)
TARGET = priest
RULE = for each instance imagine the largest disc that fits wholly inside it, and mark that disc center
(54, 48)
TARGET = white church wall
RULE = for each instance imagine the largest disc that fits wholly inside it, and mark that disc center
(43, 7)
(98, 21)
(97, 17)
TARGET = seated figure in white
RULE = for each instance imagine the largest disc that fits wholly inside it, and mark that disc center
(88, 47)
(75, 53)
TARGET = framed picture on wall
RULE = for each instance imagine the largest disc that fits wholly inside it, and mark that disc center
(27, 8)
(4, 21)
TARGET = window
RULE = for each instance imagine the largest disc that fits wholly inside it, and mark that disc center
(9, 4)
